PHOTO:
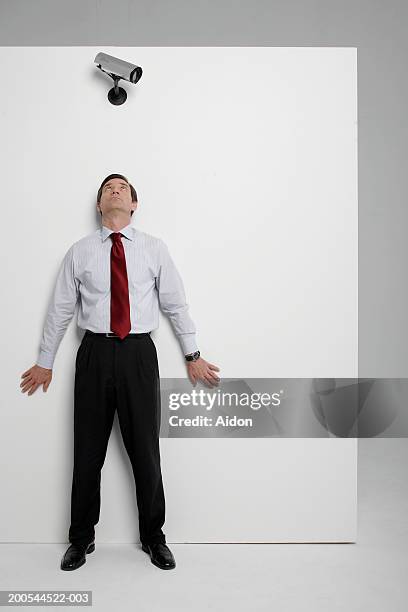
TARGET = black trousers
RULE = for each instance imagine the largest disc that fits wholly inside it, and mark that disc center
(111, 374)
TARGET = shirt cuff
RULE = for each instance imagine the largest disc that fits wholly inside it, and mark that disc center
(45, 360)
(188, 343)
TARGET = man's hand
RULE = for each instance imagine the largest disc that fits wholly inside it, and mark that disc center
(204, 371)
(34, 377)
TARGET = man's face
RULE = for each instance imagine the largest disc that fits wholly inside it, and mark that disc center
(116, 196)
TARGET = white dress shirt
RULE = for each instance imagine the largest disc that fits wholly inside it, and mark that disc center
(84, 275)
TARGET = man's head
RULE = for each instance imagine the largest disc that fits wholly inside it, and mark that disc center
(116, 196)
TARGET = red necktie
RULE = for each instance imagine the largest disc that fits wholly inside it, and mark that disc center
(120, 308)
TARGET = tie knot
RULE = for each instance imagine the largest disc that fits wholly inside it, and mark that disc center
(115, 236)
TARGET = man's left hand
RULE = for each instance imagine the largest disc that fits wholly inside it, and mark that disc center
(204, 371)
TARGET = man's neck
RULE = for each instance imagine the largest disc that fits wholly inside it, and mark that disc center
(115, 224)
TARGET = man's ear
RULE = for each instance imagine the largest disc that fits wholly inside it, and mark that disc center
(134, 204)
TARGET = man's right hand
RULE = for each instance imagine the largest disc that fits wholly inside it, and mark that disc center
(34, 377)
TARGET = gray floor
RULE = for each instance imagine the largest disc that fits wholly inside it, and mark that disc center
(369, 575)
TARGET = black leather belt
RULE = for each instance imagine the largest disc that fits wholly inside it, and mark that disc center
(88, 332)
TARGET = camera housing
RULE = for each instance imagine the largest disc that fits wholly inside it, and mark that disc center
(118, 69)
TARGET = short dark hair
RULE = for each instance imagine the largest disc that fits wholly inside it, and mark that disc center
(119, 176)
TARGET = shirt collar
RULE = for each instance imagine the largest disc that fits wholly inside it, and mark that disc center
(127, 231)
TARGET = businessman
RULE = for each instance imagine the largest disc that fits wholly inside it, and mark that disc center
(120, 276)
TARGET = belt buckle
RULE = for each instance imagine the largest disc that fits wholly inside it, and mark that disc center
(110, 335)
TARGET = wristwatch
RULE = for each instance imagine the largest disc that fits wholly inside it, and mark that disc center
(193, 356)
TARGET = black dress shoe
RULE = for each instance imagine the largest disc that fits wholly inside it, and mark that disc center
(75, 556)
(160, 555)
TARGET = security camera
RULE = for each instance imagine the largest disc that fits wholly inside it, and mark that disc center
(117, 69)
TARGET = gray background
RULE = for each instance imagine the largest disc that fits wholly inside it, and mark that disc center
(378, 30)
